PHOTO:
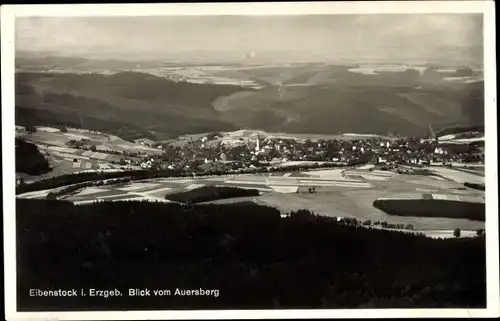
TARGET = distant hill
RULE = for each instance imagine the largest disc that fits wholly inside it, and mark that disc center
(49, 62)
(332, 100)
(302, 98)
(459, 129)
(135, 101)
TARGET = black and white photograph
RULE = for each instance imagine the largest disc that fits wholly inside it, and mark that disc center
(163, 160)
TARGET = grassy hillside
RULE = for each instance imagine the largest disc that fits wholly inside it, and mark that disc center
(255, 259)
(315, 98)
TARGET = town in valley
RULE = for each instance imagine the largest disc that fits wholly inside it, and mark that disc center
(324, 161)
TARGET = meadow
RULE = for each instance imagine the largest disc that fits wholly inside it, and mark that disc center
(336, 194)
(53, 144)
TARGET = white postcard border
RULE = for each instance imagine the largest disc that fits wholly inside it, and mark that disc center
(8, 14)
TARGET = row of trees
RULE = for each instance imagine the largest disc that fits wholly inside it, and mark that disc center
(480, 187)
(69, 190)
(68, 179)
(210, 193)
(352, 221)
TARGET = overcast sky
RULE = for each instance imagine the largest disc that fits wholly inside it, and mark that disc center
(313, 34)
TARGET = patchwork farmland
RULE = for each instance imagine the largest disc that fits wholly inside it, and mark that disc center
(53, 144)
(332, 192)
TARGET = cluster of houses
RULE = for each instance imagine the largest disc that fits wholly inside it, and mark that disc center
(255, 149)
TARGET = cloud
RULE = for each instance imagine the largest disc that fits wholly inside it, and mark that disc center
(328, 33)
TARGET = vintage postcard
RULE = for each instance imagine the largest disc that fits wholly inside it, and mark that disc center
(250, 160)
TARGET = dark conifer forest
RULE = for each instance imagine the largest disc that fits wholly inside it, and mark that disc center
(211, 193)
(253, 256)
(29, 160)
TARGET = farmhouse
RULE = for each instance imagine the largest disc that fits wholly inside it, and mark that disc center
(146, 165)
(144, 142)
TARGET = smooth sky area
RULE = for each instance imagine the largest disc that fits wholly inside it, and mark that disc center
(310, 35)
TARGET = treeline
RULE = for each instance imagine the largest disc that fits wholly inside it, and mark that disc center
(432, 208)
(459, 129)
(29, 160)
(72, 189)
(480, 187)
(70, 179)
(27, 115)
(62, 180)
(210, 193)
(256, 259)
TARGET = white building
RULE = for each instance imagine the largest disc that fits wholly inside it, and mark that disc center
(144, 142)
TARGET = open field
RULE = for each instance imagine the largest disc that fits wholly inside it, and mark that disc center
(447, 233)
(460, 176)
(52, 143)
(337, 193)
(55, 137)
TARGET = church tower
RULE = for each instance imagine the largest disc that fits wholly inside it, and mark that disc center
(433, 134)
(257, 148)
